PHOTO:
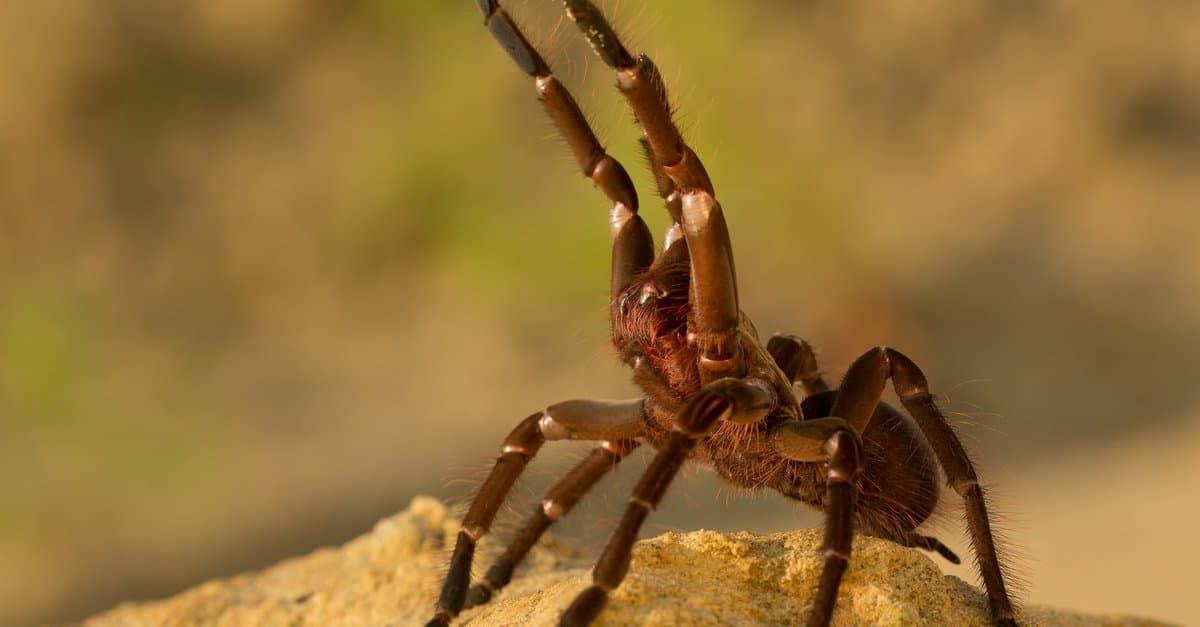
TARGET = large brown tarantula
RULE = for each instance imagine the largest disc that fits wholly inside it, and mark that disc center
(711, 391)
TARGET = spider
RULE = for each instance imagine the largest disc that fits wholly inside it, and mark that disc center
(760, 416)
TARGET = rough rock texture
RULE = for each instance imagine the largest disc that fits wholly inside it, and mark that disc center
(391, 577)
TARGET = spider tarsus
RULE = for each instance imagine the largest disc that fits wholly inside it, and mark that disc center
(479, 594)
(599, 33)
(442, 619)
(455, 591)
(706, 409)
(949, 555)
(585, 608)
(501, 26)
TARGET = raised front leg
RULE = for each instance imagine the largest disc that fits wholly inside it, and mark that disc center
(580, 419)
(633, 246)
(715, 316)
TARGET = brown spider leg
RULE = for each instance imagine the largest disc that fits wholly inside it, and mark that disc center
(714, 313)
(557, 503)
(633, 246)
(576, 419)
(834, 442)
(666, 190)
(860, 392)
(928, 543)
(651, 381)
(670, 196)
(797, 360)
(737, 400)
(664, 184)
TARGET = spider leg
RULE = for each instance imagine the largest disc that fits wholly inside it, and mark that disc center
(666, 187)
(633, 246)
(715, 314)
(666, 190)
(576, 419)
(834, 442)
(860, 392)
(928, 543)
(739, 400)
(796, 359)
(557, 503)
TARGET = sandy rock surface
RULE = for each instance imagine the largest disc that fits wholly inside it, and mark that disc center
(391, 576)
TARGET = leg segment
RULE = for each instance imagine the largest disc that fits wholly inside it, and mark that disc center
(829, 440)
(633, 247)
(519, 447)
(843, 450)
(640, 82)
(702, 411)
(607, 419)
(558, 502)
(798, 361)
(860, 392)
(715, 313)
(666, 187)
(913, 390)
(929, 543)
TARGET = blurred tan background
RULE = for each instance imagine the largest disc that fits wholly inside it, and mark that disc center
(268, 269)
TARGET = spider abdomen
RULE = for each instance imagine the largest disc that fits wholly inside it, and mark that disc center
(898, 486)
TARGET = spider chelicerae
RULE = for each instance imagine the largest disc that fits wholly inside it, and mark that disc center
(760, 416)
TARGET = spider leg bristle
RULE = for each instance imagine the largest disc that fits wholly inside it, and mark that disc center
(1012, 560)
(633, 25)
(1015, 560)
(464, 483)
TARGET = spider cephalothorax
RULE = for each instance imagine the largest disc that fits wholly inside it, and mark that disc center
(760, 416)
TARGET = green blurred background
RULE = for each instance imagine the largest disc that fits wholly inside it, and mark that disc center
(270, 268)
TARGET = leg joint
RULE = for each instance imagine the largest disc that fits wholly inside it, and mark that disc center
(965, 485)
(526, 438)
(641, 502)
(834, 555)
(472, 533)
(908, 379)
(553, 510)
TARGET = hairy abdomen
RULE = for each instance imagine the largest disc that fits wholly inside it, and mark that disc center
(898, 486)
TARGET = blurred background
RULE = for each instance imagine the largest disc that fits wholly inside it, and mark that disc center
(270, 268)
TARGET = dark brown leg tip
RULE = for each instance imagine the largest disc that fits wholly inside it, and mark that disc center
(949, 555)
(585, 608)
(943, 550)
(478, 595)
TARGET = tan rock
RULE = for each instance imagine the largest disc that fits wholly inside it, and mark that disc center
(391, 576)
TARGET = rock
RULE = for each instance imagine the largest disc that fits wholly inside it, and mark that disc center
(392, 575)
